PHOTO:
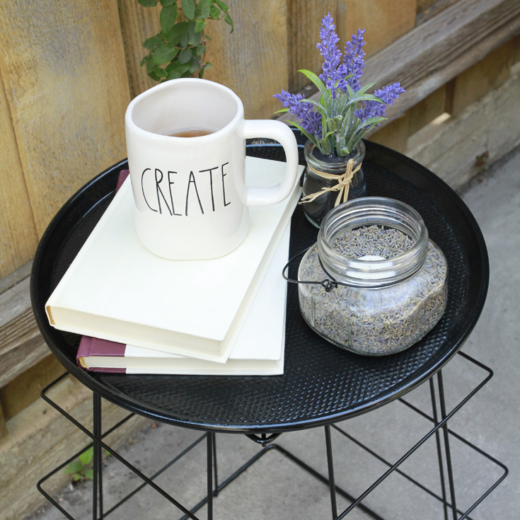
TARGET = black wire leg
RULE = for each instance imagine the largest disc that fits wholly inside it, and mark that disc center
(210, 437)
(215, 470)
(330, 466)
(213, 487)
(439, 448)
(114, 453)
(449, 466)
(97, 495)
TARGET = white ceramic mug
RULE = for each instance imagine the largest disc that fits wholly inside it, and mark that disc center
(190, 197)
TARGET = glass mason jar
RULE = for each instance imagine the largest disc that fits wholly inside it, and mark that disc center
(386, 304)
(316, 210)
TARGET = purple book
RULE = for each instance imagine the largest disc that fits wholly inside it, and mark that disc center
(99, 347)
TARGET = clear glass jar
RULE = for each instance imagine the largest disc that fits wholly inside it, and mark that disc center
(316, 210)
(386, 304)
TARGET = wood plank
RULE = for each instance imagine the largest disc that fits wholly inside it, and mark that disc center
(394, 135)
(15, 277)
(3, 426)
(482, 77)
(304, 22)
(18, 238)
(488, 126)
(40, 438)
(384, 21)
(427, 9)
(138, 23)
(516, 49)
(17, 361)
(253, 60)
(422, 5)
(25, 389)
(427, 110)
(429, 56)
(21, 345)
(67, 95)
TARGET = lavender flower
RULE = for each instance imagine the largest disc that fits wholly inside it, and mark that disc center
(353, 62)
(328, 48)
(342, 117)
(375, 109)
(310, 120)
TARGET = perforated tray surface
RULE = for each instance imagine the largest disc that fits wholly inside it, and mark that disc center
(321, 383)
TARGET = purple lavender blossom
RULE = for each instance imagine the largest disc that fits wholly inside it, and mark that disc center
(335, 72)
(309, 119)
(353, 62)
(328, 48)
(375, 109)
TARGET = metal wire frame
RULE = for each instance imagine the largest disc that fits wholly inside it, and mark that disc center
(213, 487)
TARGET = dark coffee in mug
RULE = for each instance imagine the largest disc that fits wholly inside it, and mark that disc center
(194, 132)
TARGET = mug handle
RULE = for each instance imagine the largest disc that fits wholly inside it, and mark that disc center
(282, 133)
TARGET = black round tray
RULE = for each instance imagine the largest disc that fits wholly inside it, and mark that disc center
(321, 383)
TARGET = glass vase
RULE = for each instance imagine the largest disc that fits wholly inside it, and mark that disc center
(316, 210)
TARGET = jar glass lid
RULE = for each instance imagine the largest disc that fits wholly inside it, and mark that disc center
(373, 269)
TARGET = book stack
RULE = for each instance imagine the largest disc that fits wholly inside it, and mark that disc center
(139, 313)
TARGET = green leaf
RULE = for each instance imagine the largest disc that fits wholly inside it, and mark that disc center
(214, 12)
(281, 110)
(223, 6)
(76, 477)
(184, 56)
(168, 17)
(200, 25)
(74, 467)
(148, 3)
(229, 21)
(166, 3)
(201, 49)
(153, 42)
(362, 90)
(369, 97)
(203, 9)
(193, 37)
(317, 81)
(87, 456)
(178, 70)
(145, 59)
(150, 65)
(207, 37)
(161, 73)
(188, 8)
(321, 109)
(164, 54)
(177, 32)
(184, 40)
(195, 64)
(153, 75)
(373, 121)
(310, 137)
(201, 73)
(207, 66)
(89, 474)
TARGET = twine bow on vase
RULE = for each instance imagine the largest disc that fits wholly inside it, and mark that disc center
(342, 186)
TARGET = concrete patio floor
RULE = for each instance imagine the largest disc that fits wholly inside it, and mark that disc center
(276, 488)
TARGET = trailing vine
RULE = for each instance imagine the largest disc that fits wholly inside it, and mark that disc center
(178, 51)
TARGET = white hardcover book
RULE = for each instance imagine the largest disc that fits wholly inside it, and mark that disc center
(117, 290)
(258, 351)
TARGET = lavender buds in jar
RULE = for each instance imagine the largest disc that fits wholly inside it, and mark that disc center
(392, 280)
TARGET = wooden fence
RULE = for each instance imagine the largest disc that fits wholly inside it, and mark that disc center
(70, 68)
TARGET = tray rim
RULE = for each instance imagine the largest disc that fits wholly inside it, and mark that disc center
(94, 381)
